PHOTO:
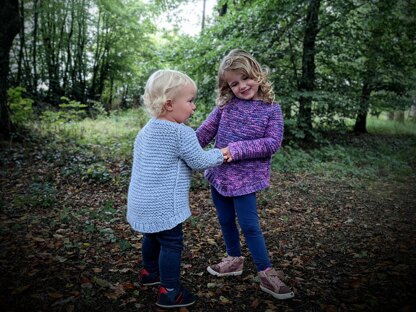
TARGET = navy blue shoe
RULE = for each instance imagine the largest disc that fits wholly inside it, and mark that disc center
(148, 279)
(179, 297)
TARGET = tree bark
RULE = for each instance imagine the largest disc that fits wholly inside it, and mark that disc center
(412, 113)
(22, 43)
(34, 50)
(399, 116)
(223, 9)
(307, 81)
(203, 15)
(9, 28)
(390, 116)
(361, 119)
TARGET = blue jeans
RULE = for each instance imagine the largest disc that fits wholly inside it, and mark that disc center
(246, 210)
(161, 253)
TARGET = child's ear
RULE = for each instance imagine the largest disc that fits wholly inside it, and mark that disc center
(168, 105)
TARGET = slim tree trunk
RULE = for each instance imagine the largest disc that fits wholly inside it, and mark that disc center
(68, 62)
(203, 15)
(412, 113)
(361, 119)
(307, 81)
(399, 116)
(22, 44)
(92, 92)
(223, 9)
(80, 91)
(34, 49)
(9, 28)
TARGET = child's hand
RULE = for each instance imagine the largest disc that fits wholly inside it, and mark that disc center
(227, 154)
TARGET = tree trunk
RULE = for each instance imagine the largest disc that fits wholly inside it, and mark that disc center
(93, 92)
(361, 120)
(22, 44)
(399, 116)
(35, 42)
(412, 113)
(9, 28)
(203, 15)
(390, 115)
(223, 9)
(307, 81)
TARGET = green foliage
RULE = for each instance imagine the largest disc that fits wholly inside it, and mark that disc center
(70, 111)
(198, 181)
(115, 45)
(91, 48)
(20, 107)
(359, 158)
(109, 135)
(346, 41)
(125, 245)
(108, 234)
(64, 215)
(74, 110)
(97, 109)
(383, 126)
(89, 227)
(37, 195)
(98, 172)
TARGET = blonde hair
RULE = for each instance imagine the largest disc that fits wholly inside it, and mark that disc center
(161, 86)
(244, 62)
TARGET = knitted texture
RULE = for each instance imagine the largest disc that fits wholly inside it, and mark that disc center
(164, 155)
(253, 130)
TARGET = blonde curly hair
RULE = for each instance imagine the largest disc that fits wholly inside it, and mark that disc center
(244, 62)
(161, 86)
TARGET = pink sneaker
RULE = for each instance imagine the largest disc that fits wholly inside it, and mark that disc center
(227, 267)
(271, 283)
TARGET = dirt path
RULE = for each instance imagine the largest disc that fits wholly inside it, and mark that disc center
(342, 246)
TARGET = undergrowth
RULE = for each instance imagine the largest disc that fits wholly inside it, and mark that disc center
(88, 147)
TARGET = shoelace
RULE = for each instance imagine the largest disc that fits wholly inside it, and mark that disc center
(274, 278)
(226, 260)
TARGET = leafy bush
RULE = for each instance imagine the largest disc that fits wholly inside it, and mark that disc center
(21, 108)
(97, 109)
(98, 172)
(71, 111)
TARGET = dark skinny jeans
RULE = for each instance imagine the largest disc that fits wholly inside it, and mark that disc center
(161, 253)
(246, 210)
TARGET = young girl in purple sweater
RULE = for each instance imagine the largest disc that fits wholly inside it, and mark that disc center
(249, 124)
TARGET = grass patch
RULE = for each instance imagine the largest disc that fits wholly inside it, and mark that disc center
(365, 157)
(116, 133)
(391, 127)
(106, 137)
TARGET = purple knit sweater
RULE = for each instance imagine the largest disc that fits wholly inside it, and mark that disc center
(253, 130)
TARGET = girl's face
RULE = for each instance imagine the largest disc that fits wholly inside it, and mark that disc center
(242, 85)
(183, 105)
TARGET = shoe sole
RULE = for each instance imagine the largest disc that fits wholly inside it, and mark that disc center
(150, 284)
(278, 296)
(211, 271)
(175, 306)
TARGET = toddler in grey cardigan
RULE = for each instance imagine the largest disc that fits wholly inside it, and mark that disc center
(165, 152)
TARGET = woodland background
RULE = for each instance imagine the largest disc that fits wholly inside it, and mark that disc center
(339, 216)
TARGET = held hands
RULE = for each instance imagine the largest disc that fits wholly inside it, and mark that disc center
(227, 154)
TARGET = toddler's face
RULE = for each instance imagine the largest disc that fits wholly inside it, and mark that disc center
(183, 105)
(242, 85)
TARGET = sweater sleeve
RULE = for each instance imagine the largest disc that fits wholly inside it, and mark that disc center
(208, 130)
(263, 147)
(192, 153)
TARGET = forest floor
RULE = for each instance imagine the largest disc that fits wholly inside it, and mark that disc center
(345, 245)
